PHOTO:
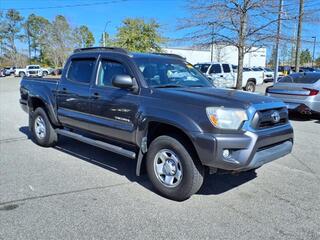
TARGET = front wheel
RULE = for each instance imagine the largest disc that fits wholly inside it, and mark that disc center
(21, 74)
(172, 169)
(42, 130)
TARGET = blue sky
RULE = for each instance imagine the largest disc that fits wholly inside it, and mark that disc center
(166, 12)
(95, 17)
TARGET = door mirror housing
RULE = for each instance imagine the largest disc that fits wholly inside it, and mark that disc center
(123, 81)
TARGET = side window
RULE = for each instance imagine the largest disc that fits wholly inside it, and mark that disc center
(108, 70)
(226, 68)
(81, 70)
(215, 68)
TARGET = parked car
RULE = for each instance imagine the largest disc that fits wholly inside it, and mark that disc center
(56, 71)
(307, 69)
(300, 92)
(31, 70)
(225, 75)
(2, 73)
(9, 71)
(159, 110)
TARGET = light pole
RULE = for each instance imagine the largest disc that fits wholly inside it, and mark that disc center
(104, 34)
(276, 60)
(314, 48)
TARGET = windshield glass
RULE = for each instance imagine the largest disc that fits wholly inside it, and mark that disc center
(159, 72)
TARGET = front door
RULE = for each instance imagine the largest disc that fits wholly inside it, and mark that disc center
(215, 73)
(113, 110)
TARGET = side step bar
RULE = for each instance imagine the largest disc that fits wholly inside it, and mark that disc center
(96, 143)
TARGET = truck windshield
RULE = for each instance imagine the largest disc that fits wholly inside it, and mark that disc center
(170, 73)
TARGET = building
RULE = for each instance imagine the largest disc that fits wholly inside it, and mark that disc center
(226, 54)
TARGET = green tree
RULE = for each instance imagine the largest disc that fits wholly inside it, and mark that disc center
(139, 36)
(317, 62)
(59, 41)
(305, 57)
(36, 28)
(11, 25)
(83, 37)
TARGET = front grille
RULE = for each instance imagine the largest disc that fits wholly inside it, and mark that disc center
(268, 118)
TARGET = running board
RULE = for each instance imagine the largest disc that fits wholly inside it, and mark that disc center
(99, 144)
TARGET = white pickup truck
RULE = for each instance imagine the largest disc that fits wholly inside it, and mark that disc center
(31, 70)
(225, 75)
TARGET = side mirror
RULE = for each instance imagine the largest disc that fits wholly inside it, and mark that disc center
(122, 81)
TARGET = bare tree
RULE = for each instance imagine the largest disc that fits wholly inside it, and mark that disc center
(246, 24)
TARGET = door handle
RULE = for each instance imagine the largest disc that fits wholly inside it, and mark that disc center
(64, 90)
(95, 95)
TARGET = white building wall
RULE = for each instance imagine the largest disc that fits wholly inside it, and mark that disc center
(226, 54)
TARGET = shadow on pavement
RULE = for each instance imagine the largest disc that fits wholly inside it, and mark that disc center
(295, 116)
(214, 184)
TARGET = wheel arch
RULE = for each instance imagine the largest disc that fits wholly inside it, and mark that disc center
(252, 80)
(156, 128)
(34, 102)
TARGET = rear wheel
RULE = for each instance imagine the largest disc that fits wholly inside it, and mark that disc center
(45, 73)
(171, 168)
(42, 130)
(250, 86)
(21, 74)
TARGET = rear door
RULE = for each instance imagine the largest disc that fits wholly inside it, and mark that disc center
(113, 110)
(73, 95)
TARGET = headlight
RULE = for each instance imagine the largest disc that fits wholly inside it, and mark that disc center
(226, 118)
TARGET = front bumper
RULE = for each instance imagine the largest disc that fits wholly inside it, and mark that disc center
(248, 150)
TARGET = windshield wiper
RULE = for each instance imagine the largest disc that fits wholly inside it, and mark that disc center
(169, 86)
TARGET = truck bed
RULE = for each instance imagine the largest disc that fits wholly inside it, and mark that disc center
(34, 86)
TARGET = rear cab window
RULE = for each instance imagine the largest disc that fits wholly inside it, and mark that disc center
(202, 67)
(81, 70)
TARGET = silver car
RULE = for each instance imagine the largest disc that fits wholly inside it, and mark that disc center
(300, 91)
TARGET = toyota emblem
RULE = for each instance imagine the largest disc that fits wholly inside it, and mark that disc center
(275, 116)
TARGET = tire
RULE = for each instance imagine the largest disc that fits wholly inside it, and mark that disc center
(42, 130)
(44, 73)
(21, 74)
(250, 86)
(176, 161)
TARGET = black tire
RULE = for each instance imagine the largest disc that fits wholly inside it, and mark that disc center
(50, 137)
(250, 86)
(192, 170)
(44, 73)
(21, 74)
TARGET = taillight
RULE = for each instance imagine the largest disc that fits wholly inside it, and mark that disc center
(312, 92)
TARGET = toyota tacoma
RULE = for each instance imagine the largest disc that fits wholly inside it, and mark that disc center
(158, 109)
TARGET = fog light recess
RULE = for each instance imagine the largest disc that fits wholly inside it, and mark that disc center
(226, 153)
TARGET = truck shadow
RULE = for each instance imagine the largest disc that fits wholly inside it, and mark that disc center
(214, 184)
(294, 116)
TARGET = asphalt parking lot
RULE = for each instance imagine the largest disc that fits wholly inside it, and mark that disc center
(75, 191)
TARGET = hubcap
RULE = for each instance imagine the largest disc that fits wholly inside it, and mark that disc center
(167, 168)
(40, 127)
(250, 88)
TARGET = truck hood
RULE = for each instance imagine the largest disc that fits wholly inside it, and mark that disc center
(209, 96)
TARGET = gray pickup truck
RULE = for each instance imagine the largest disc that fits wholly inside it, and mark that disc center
(159, 110)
